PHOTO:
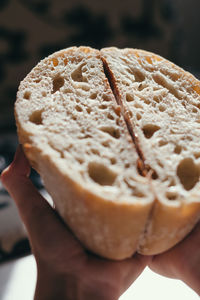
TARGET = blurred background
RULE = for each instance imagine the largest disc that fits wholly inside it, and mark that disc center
(32, 29)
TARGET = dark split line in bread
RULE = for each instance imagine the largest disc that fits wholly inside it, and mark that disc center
(143, 169)
(115, 136)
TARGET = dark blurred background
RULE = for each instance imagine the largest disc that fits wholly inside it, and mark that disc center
(32, 29)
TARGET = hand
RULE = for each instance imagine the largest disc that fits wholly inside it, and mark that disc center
(65, 269)
(182, 261)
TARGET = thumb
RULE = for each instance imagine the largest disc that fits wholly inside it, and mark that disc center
(40, 219)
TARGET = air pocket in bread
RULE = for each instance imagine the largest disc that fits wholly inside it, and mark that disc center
(115, 136)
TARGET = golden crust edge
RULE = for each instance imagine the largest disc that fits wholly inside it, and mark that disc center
(148, 248)
(166, 225)
(112, 230)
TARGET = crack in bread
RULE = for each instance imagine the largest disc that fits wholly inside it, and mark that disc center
(94, 150)
(165, 97)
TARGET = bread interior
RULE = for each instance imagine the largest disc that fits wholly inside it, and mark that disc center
(161, 106)
(68, 110)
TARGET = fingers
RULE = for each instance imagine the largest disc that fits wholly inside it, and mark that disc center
(164, 264)
(123, 272)
(171, 261)
(19, 166)
(29, 202)
(44, 227)
(188, 259)
(134, 267)
(182, 261)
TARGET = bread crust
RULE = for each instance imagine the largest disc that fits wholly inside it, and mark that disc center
(114, 230)
(167, 226)
(109, 229)
(169, 221)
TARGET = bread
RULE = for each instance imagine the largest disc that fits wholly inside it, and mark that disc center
(114, 135)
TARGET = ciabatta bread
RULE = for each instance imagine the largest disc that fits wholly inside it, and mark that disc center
(114, 135)
(163, 103)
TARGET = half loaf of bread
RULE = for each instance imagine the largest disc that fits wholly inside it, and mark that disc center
(115, 136)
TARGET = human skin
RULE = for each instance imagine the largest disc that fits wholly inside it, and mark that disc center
(65, 269)
(182, 261)
(68, 271)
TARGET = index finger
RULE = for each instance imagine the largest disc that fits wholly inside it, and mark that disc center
(41, 221)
